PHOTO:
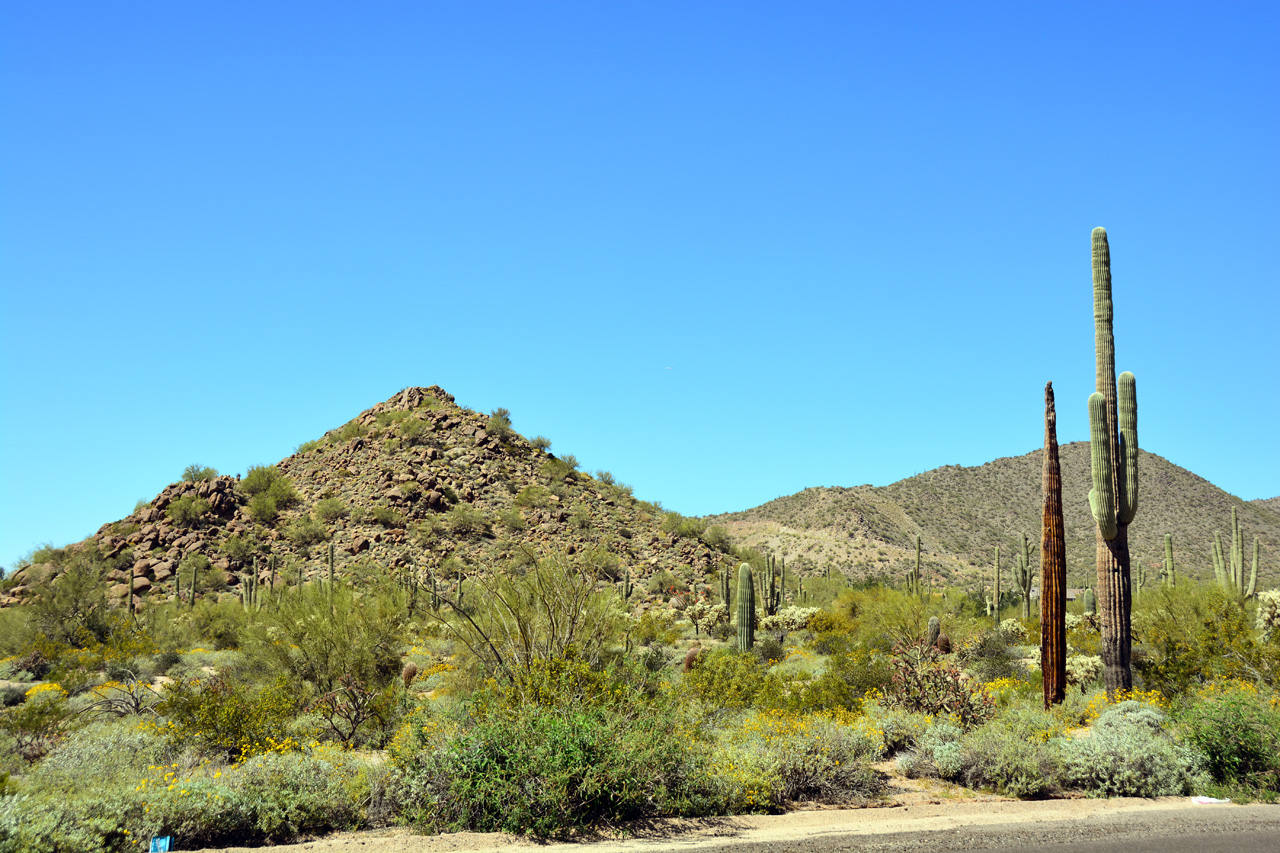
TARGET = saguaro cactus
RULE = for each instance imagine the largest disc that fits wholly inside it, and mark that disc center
(725, 589)
(935, 628)
(1113, 447)
(1053, 565)
(1231, 575)
(1168, 575)
(995, 592)
(1022, 574)
(914, 586)
(746, 608)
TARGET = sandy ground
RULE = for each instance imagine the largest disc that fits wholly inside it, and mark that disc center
(917, 815)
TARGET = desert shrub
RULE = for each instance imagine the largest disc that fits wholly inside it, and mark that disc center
(315, 636)
(329, 510)
(196, 473)
(991, 656)
(264, 509)
(900, 729)
(218, 622)
(548, 772)
(267, 480)
(306, 447)
(1197, 633)
(39, 723)
(1128, 754)
(387, 516)
(196, 569)
(1001, 757)
(221, 718)
(357, 714)
(187, 510)
(72, 611)
(921, 683)
(533, 497)
(415, 431)
(467, 521)
(768, 649)
(511, 519)
(1237, 727)
(552, 611)
(350, 431)
(305, 532)
(685, 528)
(557, 469)
(774, 758)
(656, 625)
(717, 538)
(728, 679)
(541, 443)
(499, 425)
(240, 548)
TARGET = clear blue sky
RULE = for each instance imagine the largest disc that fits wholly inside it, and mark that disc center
(724, 250)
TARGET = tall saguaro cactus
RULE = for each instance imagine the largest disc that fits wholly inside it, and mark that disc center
(1053, 565)
(1168, 576)
(1231, 576)
(1022, 575)
(1113, 447)
(995, 593)
(746, 608)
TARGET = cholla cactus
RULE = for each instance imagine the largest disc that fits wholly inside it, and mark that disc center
(1083, 669)
(1269, 612)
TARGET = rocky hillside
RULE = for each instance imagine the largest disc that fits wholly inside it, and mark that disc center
(963, 513)
(415, 486)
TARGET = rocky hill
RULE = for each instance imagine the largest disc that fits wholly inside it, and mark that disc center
(414, 487)
(963, 513)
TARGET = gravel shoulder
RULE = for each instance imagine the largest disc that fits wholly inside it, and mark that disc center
(936, 825)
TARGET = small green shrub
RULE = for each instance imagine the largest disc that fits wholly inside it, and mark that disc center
(196, 473)
(387, 516)
(1128, 754)
(221, 718)
(1238, 730)
(533, 497)
(264, 509)
(541, 443)
(187, 510)
(305, 532)
(329, 510)
(499, 425)
(466, 521)
(549, 772)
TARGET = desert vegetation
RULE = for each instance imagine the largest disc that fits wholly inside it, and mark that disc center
(424, 619)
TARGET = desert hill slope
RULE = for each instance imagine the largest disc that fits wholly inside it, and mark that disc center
(963, 513)
(414, 485)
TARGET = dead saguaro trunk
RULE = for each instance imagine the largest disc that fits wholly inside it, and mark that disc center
(1113, 445)
(1053, 565)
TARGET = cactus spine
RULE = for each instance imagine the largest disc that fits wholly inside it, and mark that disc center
(1053, 565)
(1169, 575)
(1113, 446)
(746, 609)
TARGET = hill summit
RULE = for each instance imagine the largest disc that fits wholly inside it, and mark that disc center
(415, 485)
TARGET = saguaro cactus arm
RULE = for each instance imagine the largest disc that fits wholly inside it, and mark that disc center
(1128, 461)
(1102, 497)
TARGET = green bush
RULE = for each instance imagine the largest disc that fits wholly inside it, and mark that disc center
(267, 480)
(533, 497)
(316, 635)
(1002, 755)
(196, 473)
(387, 516)
(264, 509)
(224, 719)
(727, 679)
(1238, 730)
(550, 772)
(499, 425)
(187, 510)
(329, 510)
(1128, 754)
(466, 521)
(306, 531)
(541, 442)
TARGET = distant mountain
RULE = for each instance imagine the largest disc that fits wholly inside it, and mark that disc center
(415, 482)
(962, 514)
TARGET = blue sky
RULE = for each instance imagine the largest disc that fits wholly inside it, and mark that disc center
(724, 250)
